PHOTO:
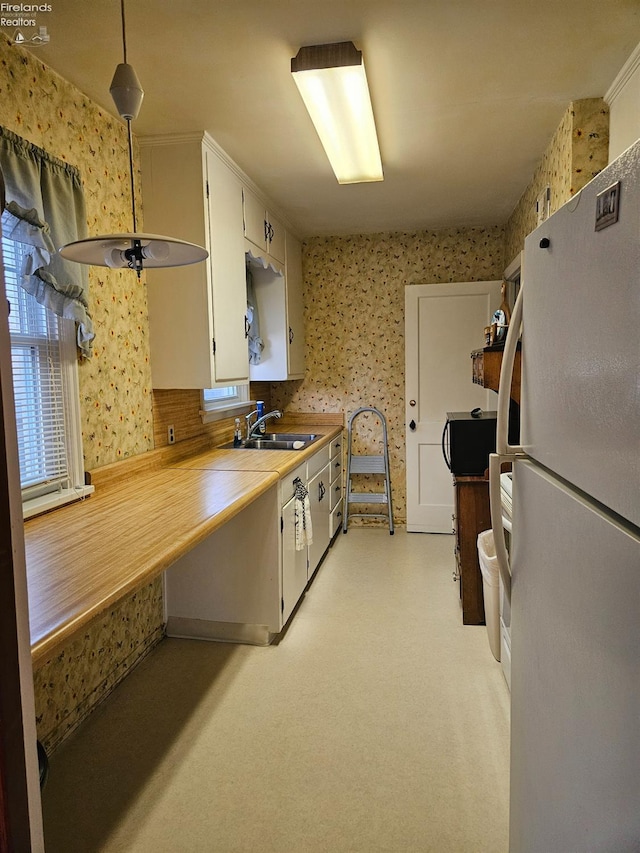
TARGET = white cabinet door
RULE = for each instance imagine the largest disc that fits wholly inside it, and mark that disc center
(295, 307)
(198, 308)
(319, 498)
(228, 278)
(294, 563)
(255, 225)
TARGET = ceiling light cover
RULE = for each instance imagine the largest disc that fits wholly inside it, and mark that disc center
(122, 250)
(333, 84)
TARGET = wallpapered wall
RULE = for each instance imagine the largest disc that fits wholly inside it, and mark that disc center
(578, 150)
(115, 384)
(354, 323)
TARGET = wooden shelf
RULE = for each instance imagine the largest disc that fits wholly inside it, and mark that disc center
(486, 364)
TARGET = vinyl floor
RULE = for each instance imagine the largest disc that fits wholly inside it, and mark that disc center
(378, 723)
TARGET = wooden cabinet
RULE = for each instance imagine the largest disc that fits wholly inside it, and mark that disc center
(196, 313)
(472, 516)
(261, 228)
(279, 304)
(485, 369)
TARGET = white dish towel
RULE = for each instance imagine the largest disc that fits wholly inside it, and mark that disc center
(304, 529)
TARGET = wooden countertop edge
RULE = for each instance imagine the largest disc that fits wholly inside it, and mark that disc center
(46, 647)
(115, 474)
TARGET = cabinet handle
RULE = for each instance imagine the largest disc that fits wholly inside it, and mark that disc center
(268, 232)
(321, 491)
(412, 425)
(247, 326)
(290, 335)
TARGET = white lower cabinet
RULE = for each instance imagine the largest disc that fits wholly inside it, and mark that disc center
(228, 586)
(243, 582)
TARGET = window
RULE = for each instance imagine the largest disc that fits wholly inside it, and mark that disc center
(46, 394)
(221, 402)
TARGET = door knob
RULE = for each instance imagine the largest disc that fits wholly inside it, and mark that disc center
(412, 425)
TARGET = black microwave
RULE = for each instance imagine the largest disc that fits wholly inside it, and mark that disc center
(467, 441)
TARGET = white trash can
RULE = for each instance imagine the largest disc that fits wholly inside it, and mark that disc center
(491, 588)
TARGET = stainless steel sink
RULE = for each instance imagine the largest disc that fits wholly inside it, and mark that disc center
(277, 441)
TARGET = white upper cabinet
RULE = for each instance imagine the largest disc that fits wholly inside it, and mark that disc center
(197, 313)
(262, 229)
(279, 307)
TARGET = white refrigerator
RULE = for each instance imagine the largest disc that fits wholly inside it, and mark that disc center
(573, 567)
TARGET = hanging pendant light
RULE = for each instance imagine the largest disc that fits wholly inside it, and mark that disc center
(132, 250)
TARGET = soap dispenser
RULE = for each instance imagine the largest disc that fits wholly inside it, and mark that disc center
(237, 434)
(260, 410)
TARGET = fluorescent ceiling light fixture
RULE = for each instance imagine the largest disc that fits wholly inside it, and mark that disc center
(133, 250)
(333, 84)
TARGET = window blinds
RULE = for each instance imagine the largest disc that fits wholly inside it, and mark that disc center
(38, 382)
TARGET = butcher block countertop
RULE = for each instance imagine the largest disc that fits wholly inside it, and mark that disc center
(145, 513)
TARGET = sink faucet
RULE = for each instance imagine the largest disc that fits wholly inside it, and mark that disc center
(252, 430)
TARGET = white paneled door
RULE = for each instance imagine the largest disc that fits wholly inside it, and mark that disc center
(443, 324)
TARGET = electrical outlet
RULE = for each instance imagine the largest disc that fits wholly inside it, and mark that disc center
(171, 435)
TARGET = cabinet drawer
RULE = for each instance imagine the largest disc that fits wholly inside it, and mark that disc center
(287, 486)
(336, 447)
(318, 461)
(335, 519)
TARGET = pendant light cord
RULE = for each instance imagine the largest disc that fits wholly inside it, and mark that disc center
(124, 32)
(129, 134)
(133, 192)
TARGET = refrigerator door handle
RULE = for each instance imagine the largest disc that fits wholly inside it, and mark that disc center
(503, 448)
(495, 499)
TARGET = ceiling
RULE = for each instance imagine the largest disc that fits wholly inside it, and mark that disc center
(466, 93)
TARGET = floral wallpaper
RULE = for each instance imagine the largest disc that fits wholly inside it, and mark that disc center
(115, 384)
(354, 324)
(68, 686)
(578, 150)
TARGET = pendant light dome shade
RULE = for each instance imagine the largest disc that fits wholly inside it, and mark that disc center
(133, 250)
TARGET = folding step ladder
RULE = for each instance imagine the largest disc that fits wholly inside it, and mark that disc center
(368, 465)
